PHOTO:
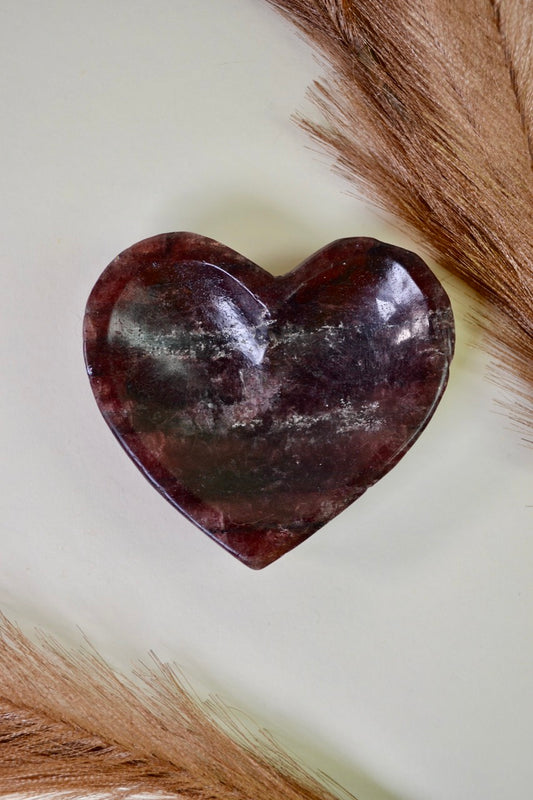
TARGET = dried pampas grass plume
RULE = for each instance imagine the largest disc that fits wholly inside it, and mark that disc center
(70, 726)
(428, 107)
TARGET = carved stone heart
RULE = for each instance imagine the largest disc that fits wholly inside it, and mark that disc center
(262, 406)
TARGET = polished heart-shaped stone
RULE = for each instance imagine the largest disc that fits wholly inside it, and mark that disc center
(262, 406)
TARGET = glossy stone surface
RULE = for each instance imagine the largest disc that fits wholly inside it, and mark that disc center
(262, 406)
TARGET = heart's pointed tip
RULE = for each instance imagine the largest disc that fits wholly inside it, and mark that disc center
(257, 563)
(259, 549)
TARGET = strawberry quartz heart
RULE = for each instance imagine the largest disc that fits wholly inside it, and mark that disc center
(262, 406)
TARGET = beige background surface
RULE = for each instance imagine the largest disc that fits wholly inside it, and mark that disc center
(393, 649)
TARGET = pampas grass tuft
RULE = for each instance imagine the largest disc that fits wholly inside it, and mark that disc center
(71, 726)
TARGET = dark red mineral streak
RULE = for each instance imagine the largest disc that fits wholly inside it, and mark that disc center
(262, 406)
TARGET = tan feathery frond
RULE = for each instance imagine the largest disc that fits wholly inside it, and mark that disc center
(70, 725)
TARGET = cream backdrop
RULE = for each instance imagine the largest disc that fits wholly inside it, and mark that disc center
(393, 649)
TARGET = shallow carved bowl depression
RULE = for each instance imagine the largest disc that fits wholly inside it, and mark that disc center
(262, 406)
